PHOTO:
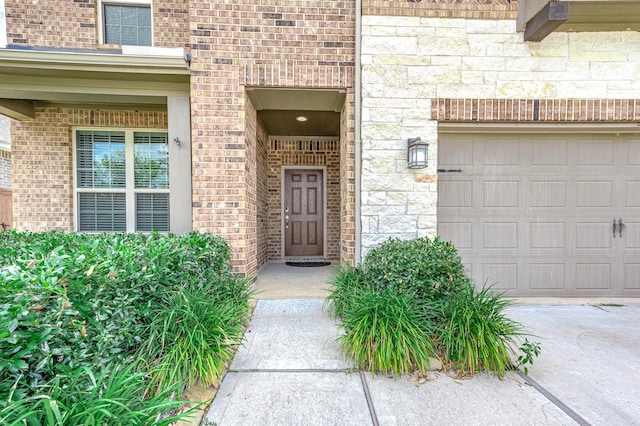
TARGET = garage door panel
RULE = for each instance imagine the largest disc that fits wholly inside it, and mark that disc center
(593, 276)
(455, 194)
(547, 235)
(456, 153)
(500, 235)
(632, 193)
(501, 276)
(631, 235)
(595, 153)
(501, 153)
(593, 235)
(633, 152)
(500, 194)
(457, 233)
(594, 193)
(632, 276)
(547, 276)
(549, 152)
(548, 193)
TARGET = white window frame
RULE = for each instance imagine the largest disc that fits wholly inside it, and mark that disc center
(130, 190)
(101, 23)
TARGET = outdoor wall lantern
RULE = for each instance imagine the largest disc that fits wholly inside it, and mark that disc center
(417, 153)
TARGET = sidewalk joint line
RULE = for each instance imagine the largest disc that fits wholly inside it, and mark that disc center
(289, 370)
(568, 411)
(367, 394)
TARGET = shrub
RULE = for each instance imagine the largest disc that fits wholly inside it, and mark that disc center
(429, 268)
(411, 296)
(476, 334)
(386, 332)
(115, 395)
(72, 301)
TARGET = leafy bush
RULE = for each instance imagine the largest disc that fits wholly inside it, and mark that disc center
(387, 332)
(430, 268)
(74, 302)
(410, 297)
(115, 395)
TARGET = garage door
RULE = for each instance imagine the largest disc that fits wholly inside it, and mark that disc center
(540, 215)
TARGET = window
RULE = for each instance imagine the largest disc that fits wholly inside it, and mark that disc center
(127, 24)
(122, 180)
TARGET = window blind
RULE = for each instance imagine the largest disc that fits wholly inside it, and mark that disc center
(152, 212)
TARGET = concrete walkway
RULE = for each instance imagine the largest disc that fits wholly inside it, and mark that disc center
(291, 372)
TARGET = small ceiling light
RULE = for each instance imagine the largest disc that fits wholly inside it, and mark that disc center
(301, 118)
(417, 153)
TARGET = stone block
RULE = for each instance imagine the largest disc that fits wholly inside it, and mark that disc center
(405, 60)
(443, 46)
(382, 74)
(433, 75)
(380, 130)
(396, 198)
(398, 224)
(389, 45)
(528, 89)
(385, 115)
(374, 198)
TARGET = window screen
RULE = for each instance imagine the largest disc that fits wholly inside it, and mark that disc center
(127, 25)
(152, 212)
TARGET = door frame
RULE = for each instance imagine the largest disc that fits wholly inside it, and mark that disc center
(324, 208)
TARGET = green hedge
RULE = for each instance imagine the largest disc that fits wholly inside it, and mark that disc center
(71, 301)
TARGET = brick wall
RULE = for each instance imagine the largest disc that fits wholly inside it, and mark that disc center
(300, 44)
(470, 9)
(42, 154)
(5, 169)
(73, 24)
(304, 152)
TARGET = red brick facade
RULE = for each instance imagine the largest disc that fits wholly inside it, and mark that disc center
(233, 45)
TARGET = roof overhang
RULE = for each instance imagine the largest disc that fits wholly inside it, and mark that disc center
(539, 18)
(298, 112)
(131, 79)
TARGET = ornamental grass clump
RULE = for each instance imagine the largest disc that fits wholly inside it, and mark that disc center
(475, 334)
(387, 332)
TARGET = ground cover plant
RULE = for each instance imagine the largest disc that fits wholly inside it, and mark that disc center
(411, 301)
(80, 312)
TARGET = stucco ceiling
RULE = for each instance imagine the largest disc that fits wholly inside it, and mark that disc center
(279, 110)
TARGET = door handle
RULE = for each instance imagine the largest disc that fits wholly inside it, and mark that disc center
(615, 227)
(621, 227)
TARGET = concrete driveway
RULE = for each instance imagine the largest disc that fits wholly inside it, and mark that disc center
(291, 372)
(590, 359)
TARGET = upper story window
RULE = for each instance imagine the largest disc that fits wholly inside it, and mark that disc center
(122, 180)
(127, 23)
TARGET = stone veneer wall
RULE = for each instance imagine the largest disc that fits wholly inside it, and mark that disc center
(304, 152)
(43, 161)
(419, 70)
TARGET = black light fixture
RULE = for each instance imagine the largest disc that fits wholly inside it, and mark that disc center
(417, 153)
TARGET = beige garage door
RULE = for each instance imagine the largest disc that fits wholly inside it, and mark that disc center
(534, 214)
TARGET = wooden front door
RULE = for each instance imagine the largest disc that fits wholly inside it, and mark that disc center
(303, 213)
